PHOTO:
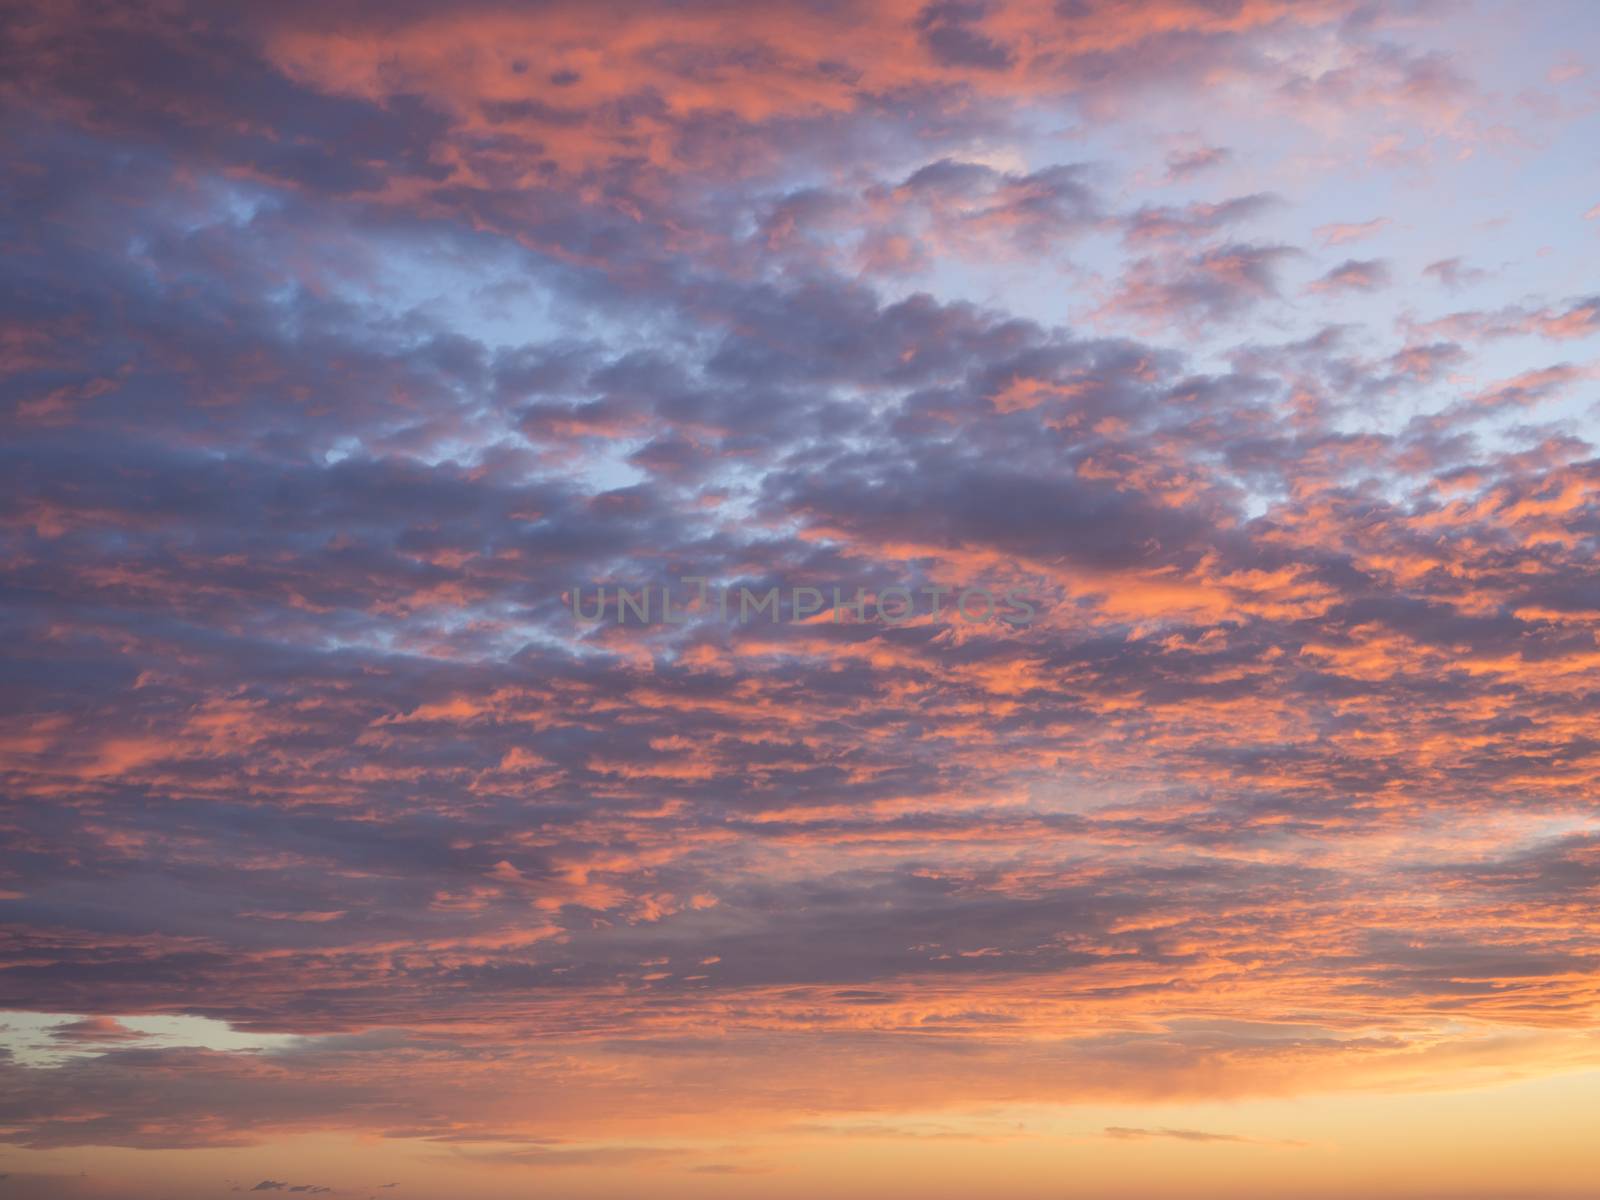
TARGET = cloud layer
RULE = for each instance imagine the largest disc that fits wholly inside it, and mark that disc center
(338, 344)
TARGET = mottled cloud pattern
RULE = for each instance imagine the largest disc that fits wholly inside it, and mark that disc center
(1256, 342)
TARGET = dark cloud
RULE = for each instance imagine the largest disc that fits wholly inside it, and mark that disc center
(954, 39)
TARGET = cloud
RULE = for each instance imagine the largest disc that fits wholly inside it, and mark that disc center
(339, 347)
(954, 39)
(96, 1029)
(1182, 164)
(1183, 1135)
(1338, 234)
(1577, 318)
(1454, 273)
(1194, 221)
(1124, 1133)
(1203, 287)
(1354, 275)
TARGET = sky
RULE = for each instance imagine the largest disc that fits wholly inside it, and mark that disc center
(358, 842)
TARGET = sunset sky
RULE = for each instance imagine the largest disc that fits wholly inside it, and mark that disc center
(1257, 342)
